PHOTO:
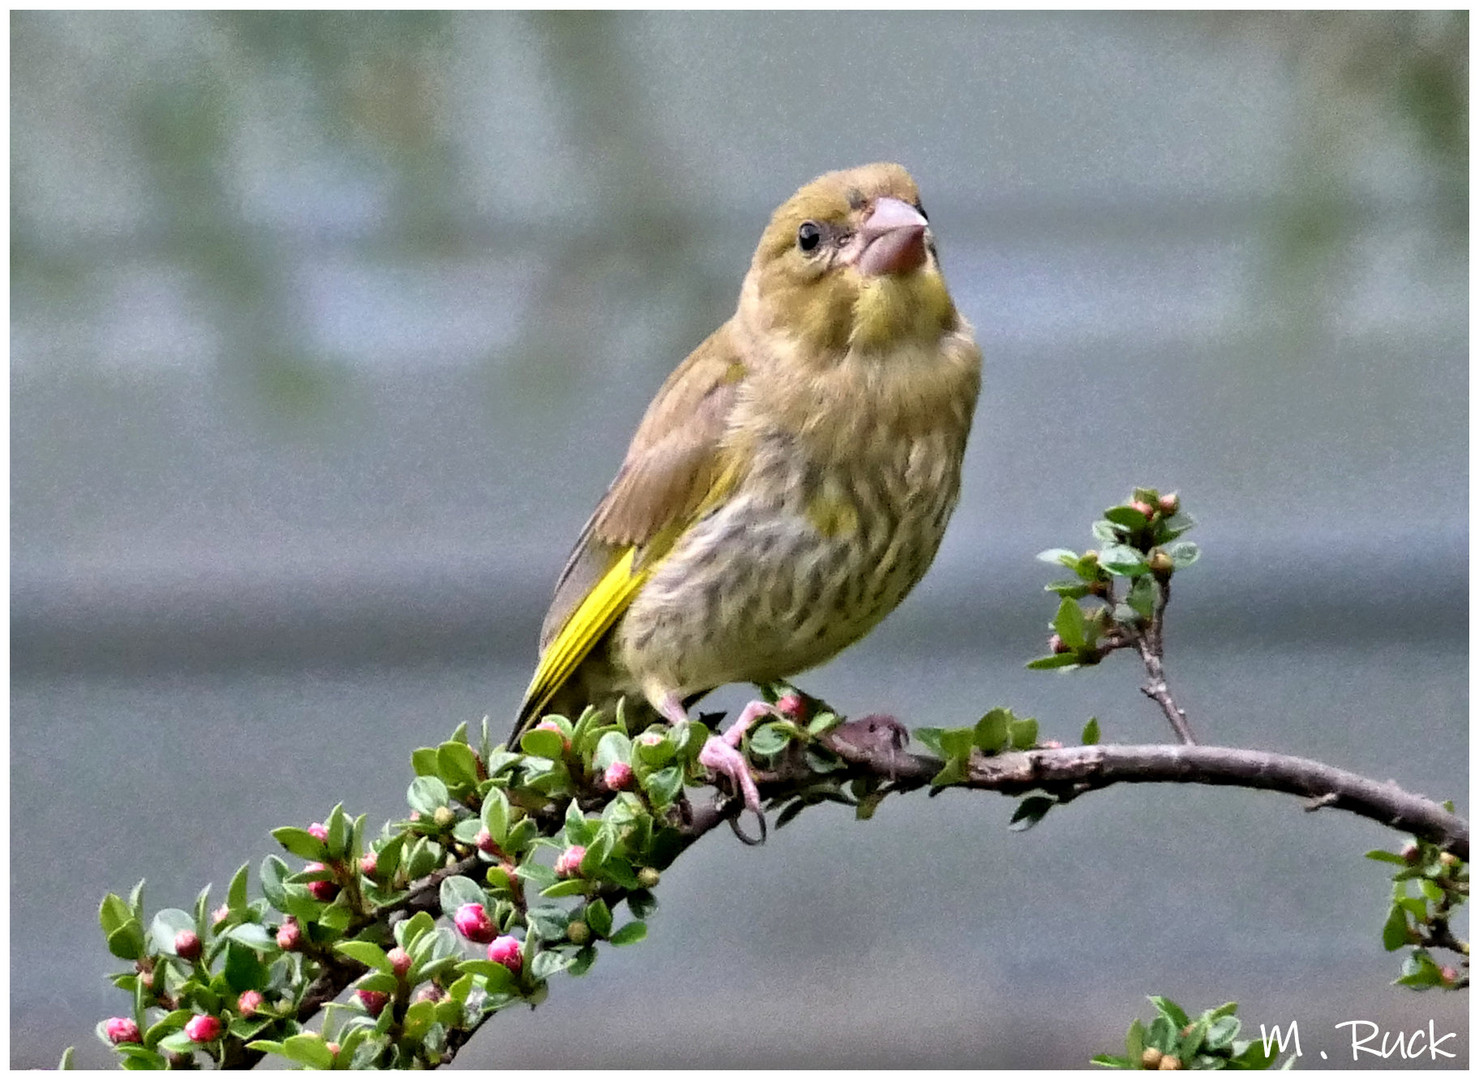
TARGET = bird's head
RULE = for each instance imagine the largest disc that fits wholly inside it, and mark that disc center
(848, 263)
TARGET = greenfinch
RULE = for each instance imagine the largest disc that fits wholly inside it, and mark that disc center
(790, 482)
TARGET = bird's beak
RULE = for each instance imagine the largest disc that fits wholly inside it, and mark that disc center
(893, 238)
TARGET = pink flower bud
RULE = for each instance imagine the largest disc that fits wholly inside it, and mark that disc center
(322, 889)
(507, 950)
(333, 1048)
(1448, 975)
(485, 844)
(568, 864)
(431, 992)
(1056, 645)
(1170, 503)
(651, 738)
(203, 1028)
(1144, 507)
(187, 945)
(792, 706)
(472, 922)
(289, 935)
(618, 776)
(400, 961)
(121, 1029)
(368, 864)
(374, 1001)
(221, 914)
(1410, 852)
(319, 832)
(249, 1002)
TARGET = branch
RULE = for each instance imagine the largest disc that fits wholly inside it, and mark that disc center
(1070, 771)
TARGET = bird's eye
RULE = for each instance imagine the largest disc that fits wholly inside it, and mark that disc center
(808, 236)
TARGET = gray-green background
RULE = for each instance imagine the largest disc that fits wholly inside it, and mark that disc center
(328, 331)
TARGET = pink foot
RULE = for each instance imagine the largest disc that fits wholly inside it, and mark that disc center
(721, 752)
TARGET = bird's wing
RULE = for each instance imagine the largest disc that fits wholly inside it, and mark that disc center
(674, 470)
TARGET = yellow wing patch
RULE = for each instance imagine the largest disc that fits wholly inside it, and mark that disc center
(592, 618)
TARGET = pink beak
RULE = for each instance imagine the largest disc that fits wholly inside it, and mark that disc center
(893, 238)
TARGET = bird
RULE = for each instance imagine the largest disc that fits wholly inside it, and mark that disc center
(787, 486)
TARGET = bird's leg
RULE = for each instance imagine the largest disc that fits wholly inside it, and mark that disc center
(721, 752)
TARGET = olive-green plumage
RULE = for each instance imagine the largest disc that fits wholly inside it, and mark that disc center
(791, 480)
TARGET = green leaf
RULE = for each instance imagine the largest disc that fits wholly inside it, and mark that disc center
(613, 747)
(1135, 1043)
(1183, 553)
(664, 785)
(300, 842)
(548, 962)
(929, 738)
(243, 969)
(957, 742)
(458, 890)
(113, 913)
(1109, 1061)
(366, 952)
(629, 934)
(309, 1050)
(498, 979)
(1057, 660)
(424, 761)
(770, 739)
(340, 830)
(66, 1062)
(570, 887)
(655, 747)
(1170, 1010)
(167, 925)
(1090, 736)
(1191, 1042)
(1222, 1031)
(236, 893)
(1024, 734)
(495, 815)
(1070, 588)
(1141, 597)
(1069, 624)
(457, 764)
(954, 772)
(1062, 556)
(427, 794)
(641, 903)
(1386, 856)
(1127, 517)
(992, 731)
(822, 723)
(1121, 560)
(543, 743)
(1174, 526)
(1030, 811)
(598, 917)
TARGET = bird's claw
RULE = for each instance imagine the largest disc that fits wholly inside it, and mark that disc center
(720, 756)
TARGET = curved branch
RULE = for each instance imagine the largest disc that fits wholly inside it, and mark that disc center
(1070, 771)
(871, 747)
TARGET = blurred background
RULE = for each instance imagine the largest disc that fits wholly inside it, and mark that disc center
(328, 330)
